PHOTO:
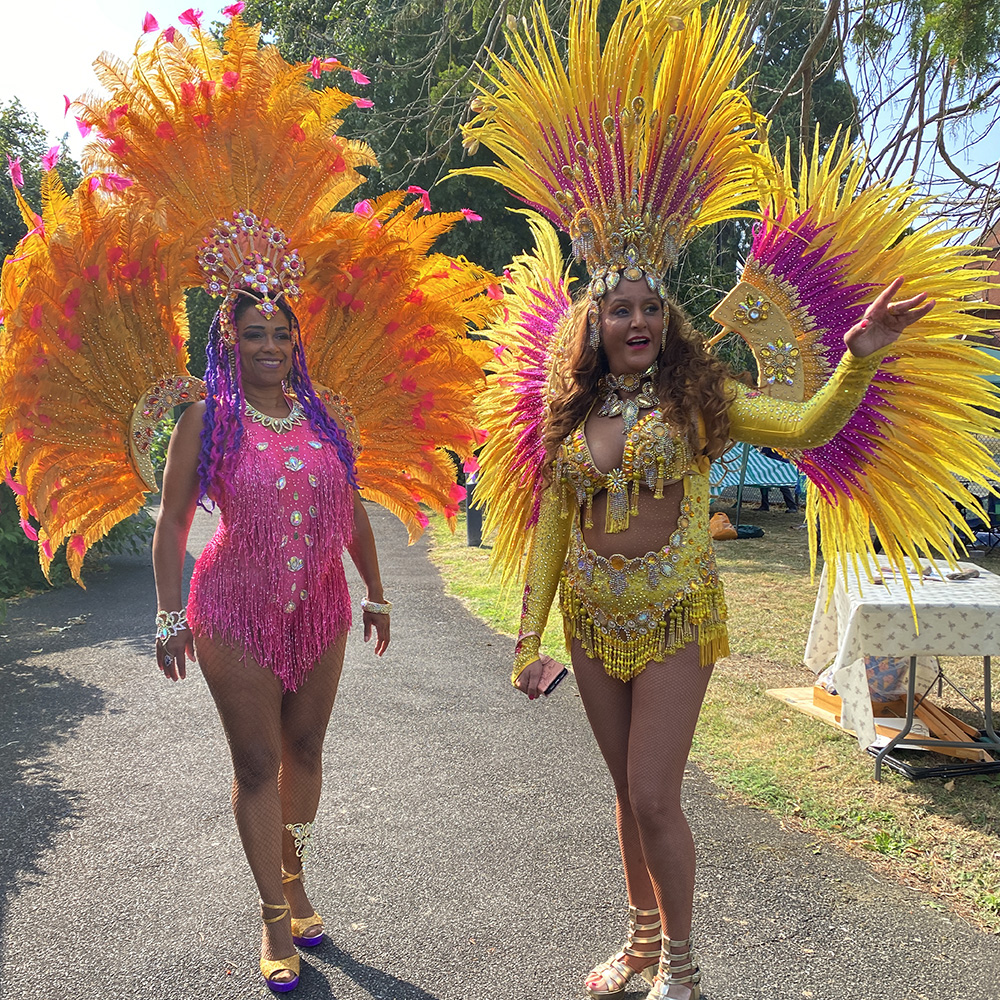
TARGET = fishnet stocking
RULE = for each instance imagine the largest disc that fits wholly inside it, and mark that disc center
(276, 743)
(644, 729)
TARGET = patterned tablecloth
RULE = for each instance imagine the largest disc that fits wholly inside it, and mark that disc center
(955, 618)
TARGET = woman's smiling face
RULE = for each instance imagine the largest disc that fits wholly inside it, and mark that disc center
(265, 345)
(631, 326)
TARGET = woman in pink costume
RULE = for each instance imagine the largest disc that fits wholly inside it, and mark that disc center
(269, 609)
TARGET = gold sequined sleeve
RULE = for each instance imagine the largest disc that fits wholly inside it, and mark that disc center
(777, 423)
(545, 562)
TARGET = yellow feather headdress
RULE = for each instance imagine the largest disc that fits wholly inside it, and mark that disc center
(630, 148)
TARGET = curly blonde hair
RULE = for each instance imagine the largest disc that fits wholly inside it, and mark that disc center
(691, 383)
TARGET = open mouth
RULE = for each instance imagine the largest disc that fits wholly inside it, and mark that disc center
(637, 341)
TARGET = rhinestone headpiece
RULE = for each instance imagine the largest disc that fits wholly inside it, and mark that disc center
(249, 255)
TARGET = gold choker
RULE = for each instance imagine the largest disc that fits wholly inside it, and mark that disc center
(614, 405)
(277, 424)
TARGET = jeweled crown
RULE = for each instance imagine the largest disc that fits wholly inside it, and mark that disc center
(249, 255)
(633, 144)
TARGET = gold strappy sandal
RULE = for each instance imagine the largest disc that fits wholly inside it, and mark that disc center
(613, 975)
(301, 925)
(270, 968)
(684, 973)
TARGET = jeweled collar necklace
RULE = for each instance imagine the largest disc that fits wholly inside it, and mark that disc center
(614, 405)
(277, 424)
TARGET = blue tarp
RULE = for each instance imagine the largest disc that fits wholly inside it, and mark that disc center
(760, 470)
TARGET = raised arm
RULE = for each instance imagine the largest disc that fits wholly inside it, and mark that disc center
(790, 426)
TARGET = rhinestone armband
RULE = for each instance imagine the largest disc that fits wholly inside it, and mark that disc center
(375, 608)
(169, 623)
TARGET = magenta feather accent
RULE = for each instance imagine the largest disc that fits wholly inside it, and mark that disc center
(539, 327)
(827, 304)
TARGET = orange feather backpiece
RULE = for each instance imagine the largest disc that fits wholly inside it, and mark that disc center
(94, 347)
(93, 320)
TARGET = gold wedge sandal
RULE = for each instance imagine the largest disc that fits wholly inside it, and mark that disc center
(611, 977)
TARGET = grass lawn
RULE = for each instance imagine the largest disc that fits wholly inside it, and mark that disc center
(942, 838)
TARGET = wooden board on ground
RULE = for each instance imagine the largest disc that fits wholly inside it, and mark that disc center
(820, 704)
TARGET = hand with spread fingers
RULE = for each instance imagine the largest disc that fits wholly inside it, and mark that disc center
(885, 320)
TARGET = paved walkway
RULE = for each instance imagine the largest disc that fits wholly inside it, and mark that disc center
(465, 846)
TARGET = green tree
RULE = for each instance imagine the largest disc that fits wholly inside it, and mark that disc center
(424, 58)
(21, 136)
(796, 74)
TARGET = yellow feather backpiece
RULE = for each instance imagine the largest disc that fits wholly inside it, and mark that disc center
(538, 323)
(93, 321)
(826, 248)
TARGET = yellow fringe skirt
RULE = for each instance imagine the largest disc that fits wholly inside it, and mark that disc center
(628, 612)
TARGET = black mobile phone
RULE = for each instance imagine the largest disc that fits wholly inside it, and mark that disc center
(549, 683)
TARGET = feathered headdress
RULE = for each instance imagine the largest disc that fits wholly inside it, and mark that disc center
(630, 149)
(218, 165)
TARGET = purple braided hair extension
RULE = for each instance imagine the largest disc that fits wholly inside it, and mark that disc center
(300, 384)
(222, 430)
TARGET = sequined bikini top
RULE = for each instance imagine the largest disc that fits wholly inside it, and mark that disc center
(655, 453)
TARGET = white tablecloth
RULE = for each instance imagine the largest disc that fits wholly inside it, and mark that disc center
(955, 618)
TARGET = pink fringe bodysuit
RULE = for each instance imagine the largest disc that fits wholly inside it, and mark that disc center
(271, 580)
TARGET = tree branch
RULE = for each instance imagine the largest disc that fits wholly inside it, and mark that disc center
(819, 40)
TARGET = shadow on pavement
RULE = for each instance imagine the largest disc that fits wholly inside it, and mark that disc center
(381, 985)
(42, 709)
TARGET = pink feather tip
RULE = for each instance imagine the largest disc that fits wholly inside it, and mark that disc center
(191, 17)
(425, 197)
(14, 169)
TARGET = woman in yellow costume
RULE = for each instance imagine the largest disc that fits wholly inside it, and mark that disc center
(217, 164)
(619, 408)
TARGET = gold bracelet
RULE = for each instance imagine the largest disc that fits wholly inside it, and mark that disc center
(375, 608)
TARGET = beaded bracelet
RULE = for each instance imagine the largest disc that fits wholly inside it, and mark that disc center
(169, 623)
(375, 608)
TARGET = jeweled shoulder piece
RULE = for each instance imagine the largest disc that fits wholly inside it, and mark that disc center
(154, 404)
